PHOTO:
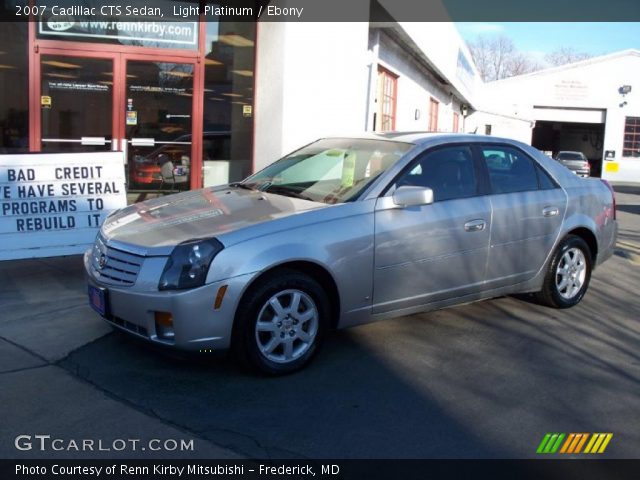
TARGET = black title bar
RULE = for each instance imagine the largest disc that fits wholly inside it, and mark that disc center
(593, 469)
(319, 10)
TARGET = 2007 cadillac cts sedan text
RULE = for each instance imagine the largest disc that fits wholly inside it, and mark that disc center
(346, 231)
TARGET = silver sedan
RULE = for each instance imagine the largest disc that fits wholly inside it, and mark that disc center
(347, 231)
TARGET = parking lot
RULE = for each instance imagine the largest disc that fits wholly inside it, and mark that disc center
(485, 380)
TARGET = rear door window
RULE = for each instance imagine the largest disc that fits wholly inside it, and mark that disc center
(544, 180)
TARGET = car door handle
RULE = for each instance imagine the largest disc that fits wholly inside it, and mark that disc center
(550, 211)
(475, 225)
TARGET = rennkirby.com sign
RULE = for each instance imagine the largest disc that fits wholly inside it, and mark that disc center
(54, 204)
(182, 33)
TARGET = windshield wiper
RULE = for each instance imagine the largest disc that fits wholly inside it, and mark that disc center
(241, 185)
(287, 192)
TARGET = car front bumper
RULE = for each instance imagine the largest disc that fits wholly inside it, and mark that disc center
(196, 324)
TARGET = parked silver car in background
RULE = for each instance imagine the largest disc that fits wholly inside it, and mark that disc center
(347, 231)
(577, 162)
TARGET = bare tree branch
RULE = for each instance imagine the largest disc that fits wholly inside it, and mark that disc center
(496, 57)
(564, 55)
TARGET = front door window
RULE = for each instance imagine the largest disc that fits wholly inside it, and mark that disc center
(76, 103)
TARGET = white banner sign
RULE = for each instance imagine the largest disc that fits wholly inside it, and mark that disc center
(53, 204)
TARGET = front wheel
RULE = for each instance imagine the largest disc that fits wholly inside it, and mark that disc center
(568, 275)
(281, 323)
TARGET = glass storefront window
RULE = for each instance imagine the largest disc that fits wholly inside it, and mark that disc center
(77, 95)
(228, 102)
(158, 125)
(14, 82)
(138, 100)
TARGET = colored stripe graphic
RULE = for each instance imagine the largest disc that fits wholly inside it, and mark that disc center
(598, 443)
(543, 443)
(551, 442)
(556, 445)
(566, 445)
(581, 443)
(574, 443)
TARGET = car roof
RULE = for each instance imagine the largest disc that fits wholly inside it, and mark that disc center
(421, 137)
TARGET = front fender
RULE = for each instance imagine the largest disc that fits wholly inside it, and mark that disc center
(342, 246)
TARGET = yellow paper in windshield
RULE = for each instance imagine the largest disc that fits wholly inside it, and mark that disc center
(349, 170)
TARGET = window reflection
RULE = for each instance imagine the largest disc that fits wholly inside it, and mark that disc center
(158, 125)
(14, 119)
(228, 102)
(75, 92)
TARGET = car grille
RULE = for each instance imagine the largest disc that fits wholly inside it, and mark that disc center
(132, 327)
(114, 267)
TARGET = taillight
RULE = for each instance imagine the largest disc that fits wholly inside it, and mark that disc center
(613, 196)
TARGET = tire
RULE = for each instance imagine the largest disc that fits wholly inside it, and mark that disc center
(568, 274)
(281, 323)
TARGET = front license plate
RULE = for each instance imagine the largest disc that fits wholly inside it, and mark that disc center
(98, 299)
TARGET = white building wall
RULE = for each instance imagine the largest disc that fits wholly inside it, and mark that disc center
(269, 93)
(311, 81)
(442, 44)
(416, 87)
(319, 79)
(501, 125)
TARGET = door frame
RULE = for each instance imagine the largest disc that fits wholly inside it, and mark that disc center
(117, 85)
(119, 54)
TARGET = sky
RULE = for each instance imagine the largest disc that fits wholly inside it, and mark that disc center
(538, 39)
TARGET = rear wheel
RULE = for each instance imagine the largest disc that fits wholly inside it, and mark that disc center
(568, 274)
(281, 323)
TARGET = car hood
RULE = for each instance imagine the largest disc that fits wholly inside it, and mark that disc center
(154, 227)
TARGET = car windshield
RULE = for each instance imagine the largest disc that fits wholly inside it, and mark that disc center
(329, 170)
(570, 156)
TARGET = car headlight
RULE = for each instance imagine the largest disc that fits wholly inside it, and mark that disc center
(188, 264)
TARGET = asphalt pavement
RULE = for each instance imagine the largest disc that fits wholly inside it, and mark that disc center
(485, 380)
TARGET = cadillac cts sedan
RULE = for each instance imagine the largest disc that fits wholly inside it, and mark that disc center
(347, 231)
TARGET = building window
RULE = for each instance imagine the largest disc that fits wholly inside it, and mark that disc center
(456, 122)
(227, 143)
(387, 98)
(14, 83)
(487, 129)
(433, 115)
(631, 147)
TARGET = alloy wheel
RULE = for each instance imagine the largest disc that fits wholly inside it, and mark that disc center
(287, 325)
(571, 273)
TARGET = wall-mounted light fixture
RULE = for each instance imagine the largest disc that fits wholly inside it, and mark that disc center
(417, 114)
(624, 90)
(464, 109)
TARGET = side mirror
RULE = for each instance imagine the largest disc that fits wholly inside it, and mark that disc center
(412, 196)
